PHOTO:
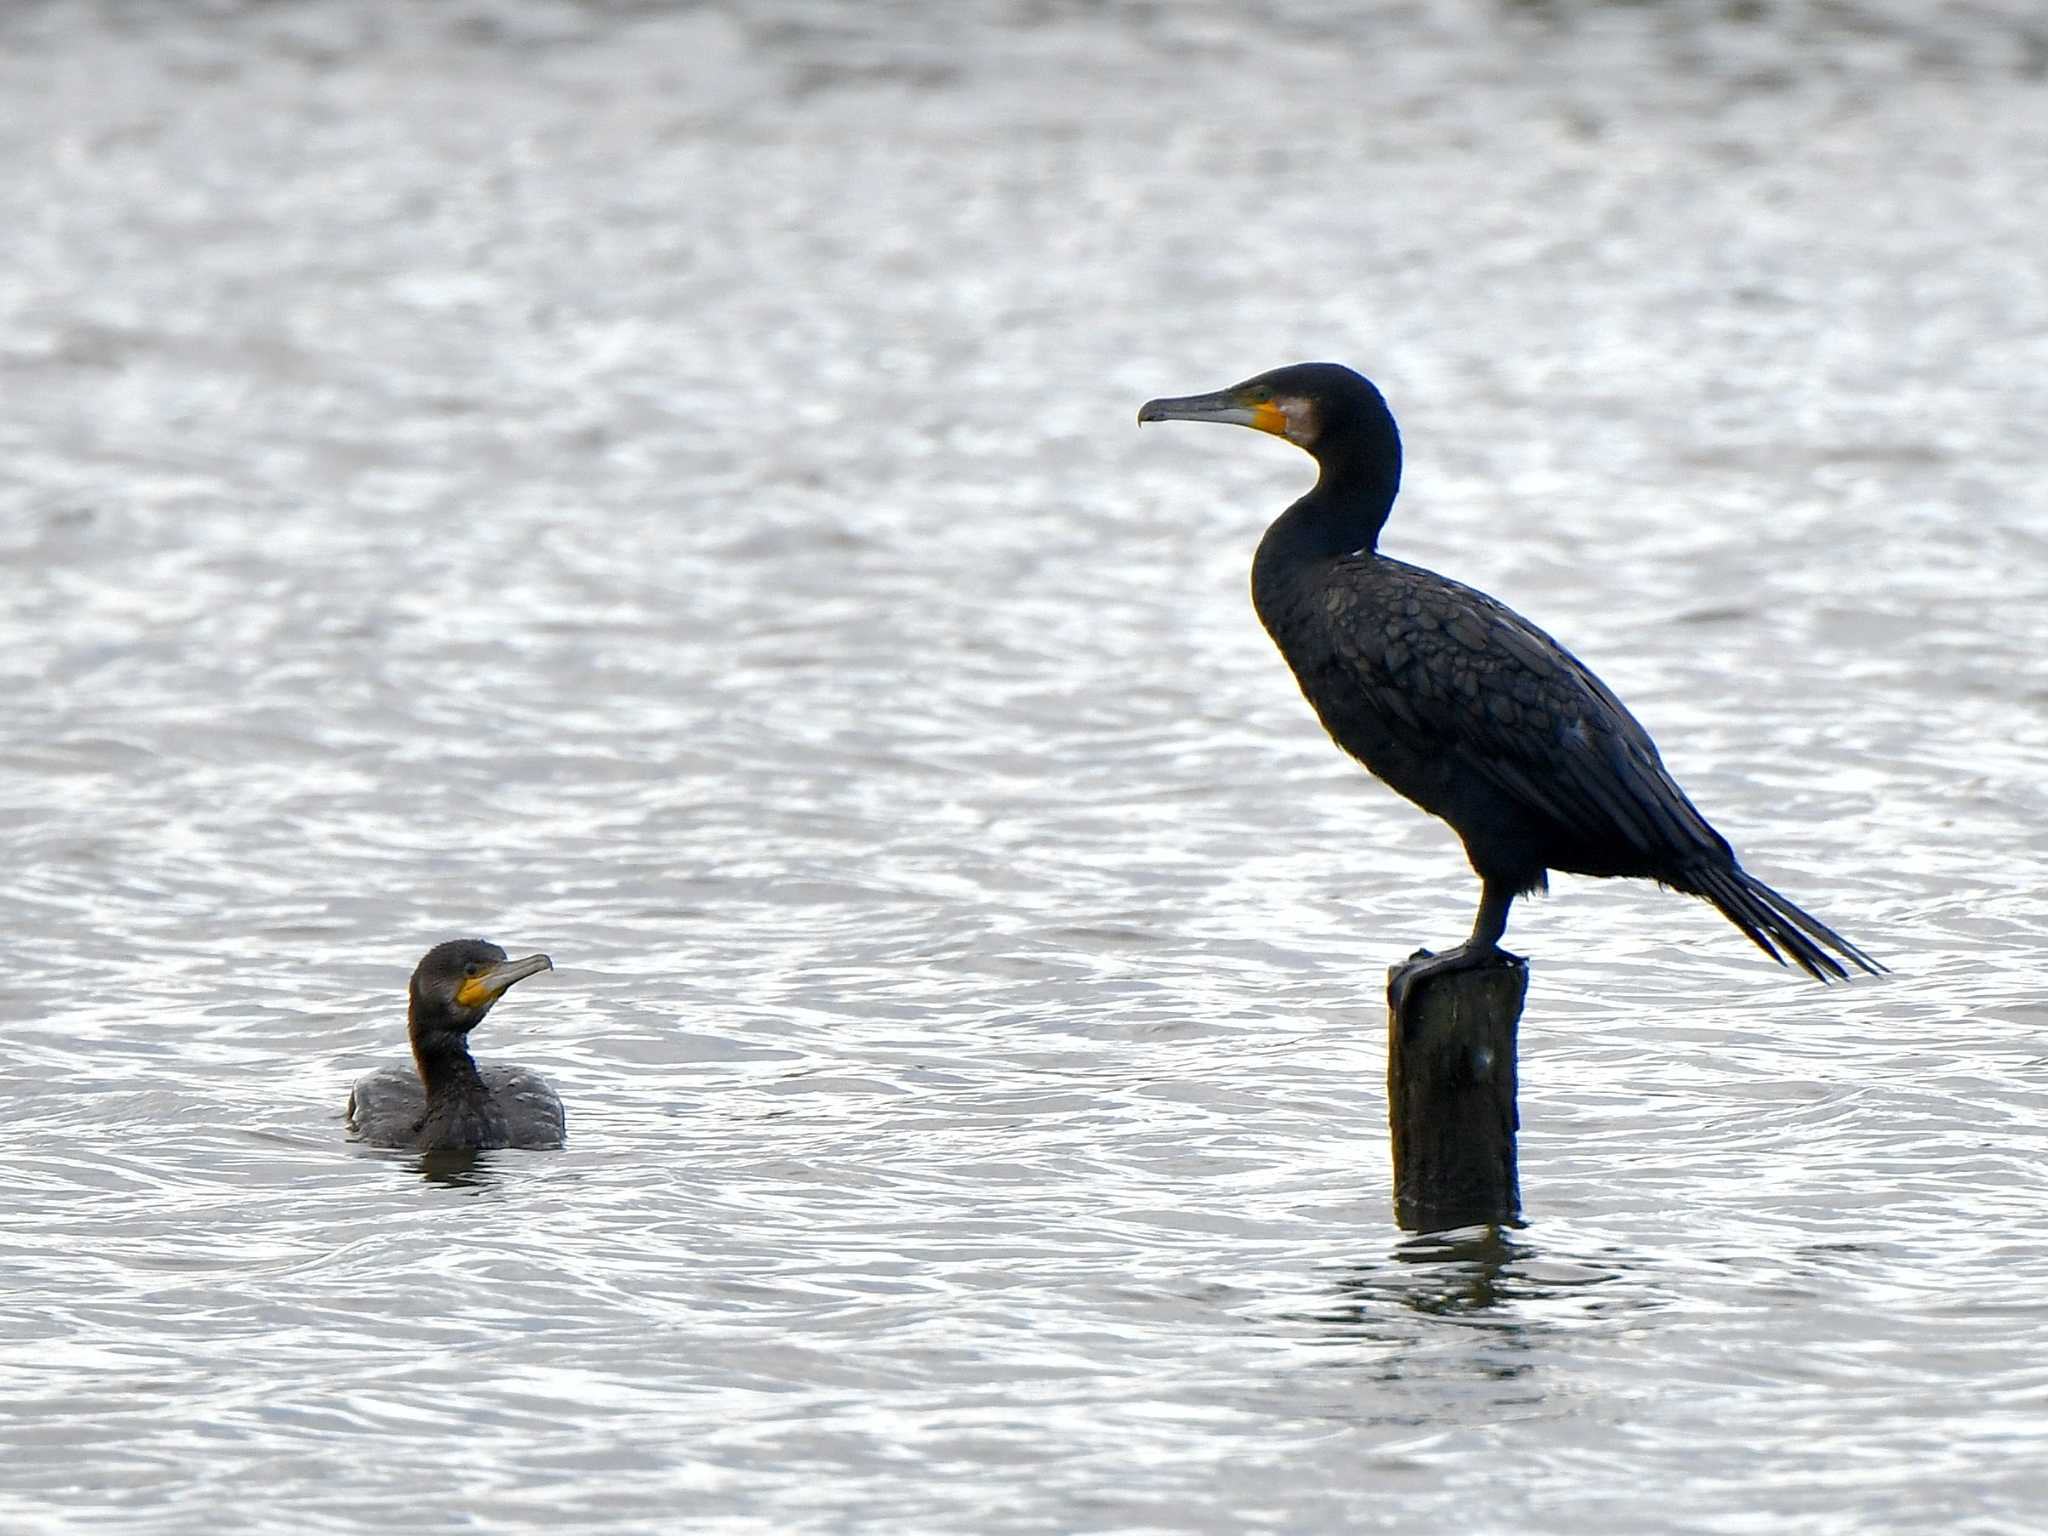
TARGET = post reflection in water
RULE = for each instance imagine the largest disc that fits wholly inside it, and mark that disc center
(1487, 1276)
(1458, 1274)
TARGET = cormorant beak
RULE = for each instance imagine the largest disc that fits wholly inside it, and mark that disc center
(488, 986)
(1225, 406)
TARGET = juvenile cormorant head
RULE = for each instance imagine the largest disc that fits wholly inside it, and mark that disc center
(454, 986)
(1323, 407)
(447, 1102)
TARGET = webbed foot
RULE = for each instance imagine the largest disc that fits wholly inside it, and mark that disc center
(1422, 966)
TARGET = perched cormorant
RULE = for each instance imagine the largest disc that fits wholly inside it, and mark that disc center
(449, 1103)
(1462, 705)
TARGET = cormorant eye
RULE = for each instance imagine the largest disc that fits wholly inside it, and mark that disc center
(472, 969)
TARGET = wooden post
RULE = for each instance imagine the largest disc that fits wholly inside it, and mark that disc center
(1451, 1096)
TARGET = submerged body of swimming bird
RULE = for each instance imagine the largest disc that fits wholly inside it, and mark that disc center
(1459, 703)
(448, 1102)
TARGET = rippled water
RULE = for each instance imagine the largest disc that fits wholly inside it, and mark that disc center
(661, 487)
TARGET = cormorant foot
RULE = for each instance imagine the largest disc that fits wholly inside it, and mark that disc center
(1422, 966)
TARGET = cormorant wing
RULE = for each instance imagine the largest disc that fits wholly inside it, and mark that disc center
(1524, 714)
(386, 1105)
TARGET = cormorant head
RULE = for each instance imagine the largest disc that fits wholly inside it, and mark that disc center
(454, 986)
(1323, 407)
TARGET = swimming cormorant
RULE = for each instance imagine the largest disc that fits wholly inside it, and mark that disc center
(1462, 705)
(449, 1103)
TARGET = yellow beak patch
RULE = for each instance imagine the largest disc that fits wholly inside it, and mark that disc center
(1268, 417)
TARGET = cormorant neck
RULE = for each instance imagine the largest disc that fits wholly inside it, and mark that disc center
(1361, 476)
(441, 1052)
(1349, 505)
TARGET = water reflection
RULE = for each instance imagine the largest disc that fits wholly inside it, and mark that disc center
(1488, 1275)
(1459, 1275)
(456, 1168)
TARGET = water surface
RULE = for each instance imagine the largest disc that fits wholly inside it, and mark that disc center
(660, 486)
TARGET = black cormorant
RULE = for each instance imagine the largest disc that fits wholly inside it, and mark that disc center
(449, 1103)
(1462, 705)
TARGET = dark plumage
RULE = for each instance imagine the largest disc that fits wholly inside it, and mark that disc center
(448, 1102)
(1462, 705)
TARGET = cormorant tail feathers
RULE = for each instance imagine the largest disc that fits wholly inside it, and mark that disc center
(1777, 925)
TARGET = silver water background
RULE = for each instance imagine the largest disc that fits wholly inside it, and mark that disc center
(660, 486)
